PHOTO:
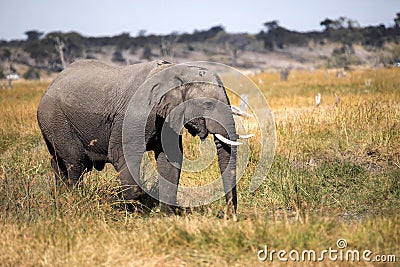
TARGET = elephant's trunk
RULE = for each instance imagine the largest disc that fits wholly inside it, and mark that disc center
(226, 157)
(227, 165)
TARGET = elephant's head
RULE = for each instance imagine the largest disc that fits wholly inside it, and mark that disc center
(197, 100)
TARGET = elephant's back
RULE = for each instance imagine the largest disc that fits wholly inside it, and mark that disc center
(85, 99)
(87, 76)
(96, 86)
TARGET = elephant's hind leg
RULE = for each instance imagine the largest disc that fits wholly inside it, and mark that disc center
(71, 165)
(57, 164)
(67, 172)
(75, 172)
(60, 170)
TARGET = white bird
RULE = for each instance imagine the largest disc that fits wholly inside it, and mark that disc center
(318, 99)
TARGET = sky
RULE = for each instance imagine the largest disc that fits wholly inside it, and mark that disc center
(112, 17)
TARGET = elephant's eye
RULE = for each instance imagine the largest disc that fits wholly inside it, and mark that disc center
(208, 105)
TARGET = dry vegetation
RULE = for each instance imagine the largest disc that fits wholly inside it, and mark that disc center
(336, 174)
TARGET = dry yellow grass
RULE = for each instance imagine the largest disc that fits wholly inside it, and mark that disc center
(335, 175)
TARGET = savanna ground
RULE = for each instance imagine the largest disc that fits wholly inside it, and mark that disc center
(336, 174)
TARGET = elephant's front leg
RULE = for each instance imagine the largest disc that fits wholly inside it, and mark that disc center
(130, 190)
(169, 163)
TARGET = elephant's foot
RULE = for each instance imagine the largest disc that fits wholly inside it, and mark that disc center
(128, 198)
(131, 192)
(227, 214)
(172, 210)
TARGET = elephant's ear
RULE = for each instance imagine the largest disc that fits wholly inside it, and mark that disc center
(171, 108)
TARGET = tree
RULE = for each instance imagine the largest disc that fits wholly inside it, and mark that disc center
(40, 51)
(339, 23)
(271, 25)
(118, 57)
(10, 69)
(352, 24)
(167, 43)
(270, 36)
(75, 45)
(5, 54)
(2, 75)
(214, 30)
(397, 20)
(201, 36)
(236, 44)
(60, 48)
(123, 41)
(327, 23)
(33, 35)
(31, 74)
(141, 33)
(147, 54)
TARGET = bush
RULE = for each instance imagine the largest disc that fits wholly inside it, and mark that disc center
(147, 54)
(118, 57)
(284, 74)
(31, 74)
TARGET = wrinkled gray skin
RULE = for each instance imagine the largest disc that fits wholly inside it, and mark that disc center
(81, 117)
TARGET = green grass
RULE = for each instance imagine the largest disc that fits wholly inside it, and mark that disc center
(336, 174)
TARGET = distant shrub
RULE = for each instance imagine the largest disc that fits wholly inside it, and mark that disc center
(118, 57)
(31, 74)
(90, 56)
(343, 50)
(147, 54)
(284, 74)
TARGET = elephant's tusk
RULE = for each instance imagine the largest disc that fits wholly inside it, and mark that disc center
(227, 141)
(237, 111)
(246, 136)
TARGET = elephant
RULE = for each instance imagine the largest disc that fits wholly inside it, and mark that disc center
(85, 110)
